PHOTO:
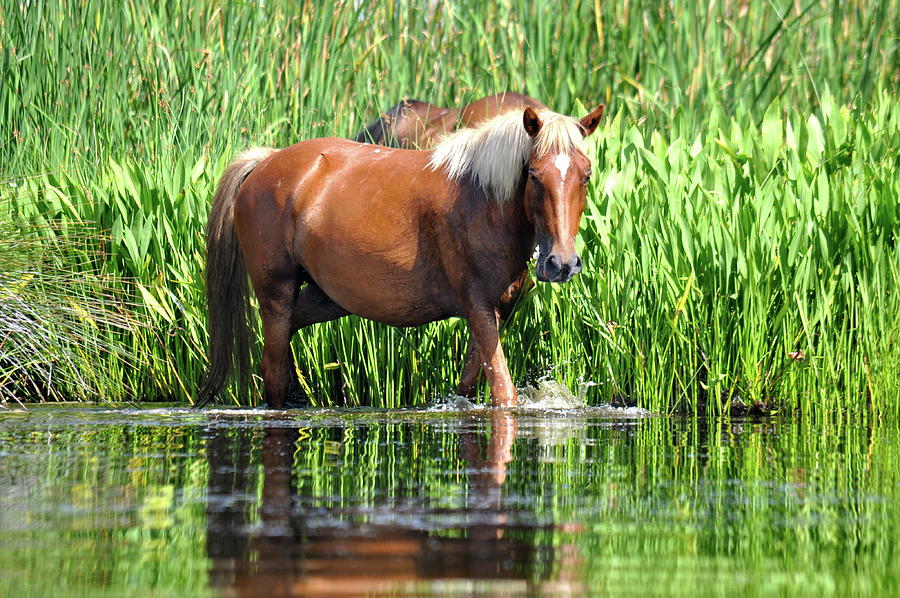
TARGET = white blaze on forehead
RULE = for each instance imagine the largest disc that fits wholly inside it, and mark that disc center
(562, 163)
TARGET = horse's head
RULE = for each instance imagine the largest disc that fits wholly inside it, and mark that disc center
(558, 175)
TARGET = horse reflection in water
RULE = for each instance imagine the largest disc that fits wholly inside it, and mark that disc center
(284, 556)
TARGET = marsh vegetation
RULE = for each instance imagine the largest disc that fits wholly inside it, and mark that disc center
(740, 238)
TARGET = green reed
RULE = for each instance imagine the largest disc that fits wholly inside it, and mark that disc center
(57, 322)
(744, 206)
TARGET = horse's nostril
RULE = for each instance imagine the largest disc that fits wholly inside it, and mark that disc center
(553, 263)
(576, 264)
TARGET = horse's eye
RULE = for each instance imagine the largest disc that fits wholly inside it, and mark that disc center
(533, 175)
(587, 178)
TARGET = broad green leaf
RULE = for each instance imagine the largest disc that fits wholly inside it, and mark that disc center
(816, 144)
(771, 131)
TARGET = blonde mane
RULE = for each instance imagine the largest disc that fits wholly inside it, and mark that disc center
(495, 152)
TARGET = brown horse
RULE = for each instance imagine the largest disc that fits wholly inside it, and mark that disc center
(329, 227)
(414, 124)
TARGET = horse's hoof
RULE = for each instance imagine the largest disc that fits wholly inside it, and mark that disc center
(296, 400)
(287, 405)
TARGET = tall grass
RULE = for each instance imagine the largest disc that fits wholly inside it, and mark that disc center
(744, 208)
(59, 326)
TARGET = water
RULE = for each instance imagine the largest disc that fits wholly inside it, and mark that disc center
(100, 501)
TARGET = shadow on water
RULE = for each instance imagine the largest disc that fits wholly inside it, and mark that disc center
(294, 550)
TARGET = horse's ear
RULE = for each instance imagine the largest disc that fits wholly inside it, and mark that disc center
(589, 123)
(531, 121)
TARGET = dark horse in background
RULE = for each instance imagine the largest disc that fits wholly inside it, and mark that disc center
(329, 227)
(413, 124)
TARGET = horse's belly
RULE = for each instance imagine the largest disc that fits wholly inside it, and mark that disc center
(403, 315)
(385, 300)
(396, 289)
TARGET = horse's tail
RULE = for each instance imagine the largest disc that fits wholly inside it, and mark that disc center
(227, 293)
(381, 130)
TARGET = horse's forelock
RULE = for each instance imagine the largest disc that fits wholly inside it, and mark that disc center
(494, 152)
(558, 135)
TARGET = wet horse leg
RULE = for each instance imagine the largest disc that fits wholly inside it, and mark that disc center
(484, 323)
(276, 306)
(468, 379)
(285, 309)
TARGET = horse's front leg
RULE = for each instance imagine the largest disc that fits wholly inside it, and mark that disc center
(468, 379)
(484, 324)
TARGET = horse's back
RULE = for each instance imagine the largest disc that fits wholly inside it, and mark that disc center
(495, 105)
(357, 219)
(345, 170)
(333, 180)
(409, 124)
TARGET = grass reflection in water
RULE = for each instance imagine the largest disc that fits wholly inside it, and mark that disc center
(173, 502)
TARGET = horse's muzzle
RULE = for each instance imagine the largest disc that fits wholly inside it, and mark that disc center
(556, 269)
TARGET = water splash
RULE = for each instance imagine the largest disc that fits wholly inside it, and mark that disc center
(547, 395)
(452, 403)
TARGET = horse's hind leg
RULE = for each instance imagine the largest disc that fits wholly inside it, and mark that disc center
(276, 307)
(286, 309)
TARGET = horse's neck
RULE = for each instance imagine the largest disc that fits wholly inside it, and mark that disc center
(510, 226)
